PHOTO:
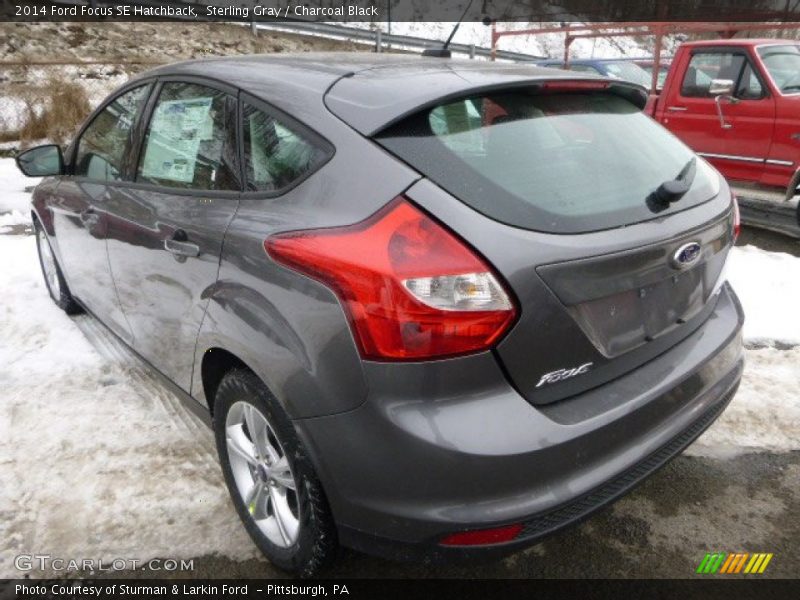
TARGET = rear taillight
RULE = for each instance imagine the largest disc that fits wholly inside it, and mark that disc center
(737, 219)
(483, 537)
(412, 290)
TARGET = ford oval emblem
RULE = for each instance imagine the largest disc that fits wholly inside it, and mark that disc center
(686, 255)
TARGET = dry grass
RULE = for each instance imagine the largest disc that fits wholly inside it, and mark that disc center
(54, 111)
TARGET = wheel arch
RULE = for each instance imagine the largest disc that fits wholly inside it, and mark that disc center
(215, 363)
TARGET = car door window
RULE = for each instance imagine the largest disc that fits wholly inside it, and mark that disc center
(191, 139)
(277, 155)
(105, 143)
(706, 66)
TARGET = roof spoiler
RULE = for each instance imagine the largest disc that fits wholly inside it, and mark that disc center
(350, 98)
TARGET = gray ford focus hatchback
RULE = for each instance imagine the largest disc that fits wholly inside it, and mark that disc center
(432, 309)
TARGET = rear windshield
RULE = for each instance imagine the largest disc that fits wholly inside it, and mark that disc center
(562, 163)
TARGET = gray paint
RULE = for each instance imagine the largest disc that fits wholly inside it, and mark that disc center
(406, 451)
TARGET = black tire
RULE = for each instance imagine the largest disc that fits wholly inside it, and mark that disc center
(62, 297)
(316, 545)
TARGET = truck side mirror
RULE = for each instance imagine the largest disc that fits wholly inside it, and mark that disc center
(720, 87)
(41, 161)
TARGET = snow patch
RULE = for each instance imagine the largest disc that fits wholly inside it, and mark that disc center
(10, 219)
(764, 415)
(768, 285)
(13, 196)
(96, 459)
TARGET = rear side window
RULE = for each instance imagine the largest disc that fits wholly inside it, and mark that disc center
(276, 155)
(191, 139)
(105, 143)
(563, 162)
(705, 66)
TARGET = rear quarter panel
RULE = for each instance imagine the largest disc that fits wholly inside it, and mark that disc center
(289, 329)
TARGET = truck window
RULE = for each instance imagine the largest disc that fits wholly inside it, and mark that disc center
(706, 66)
(749, 87)
(783, 64)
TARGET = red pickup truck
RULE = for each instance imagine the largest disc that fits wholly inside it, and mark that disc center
(737, 103)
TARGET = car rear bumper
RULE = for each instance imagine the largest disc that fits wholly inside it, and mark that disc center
(450, 446)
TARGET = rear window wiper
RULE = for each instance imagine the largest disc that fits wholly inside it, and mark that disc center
(673, 190)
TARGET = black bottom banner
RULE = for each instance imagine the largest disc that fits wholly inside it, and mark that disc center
(438, 589)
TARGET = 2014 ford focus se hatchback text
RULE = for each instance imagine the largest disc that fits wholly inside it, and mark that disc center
(433, 309)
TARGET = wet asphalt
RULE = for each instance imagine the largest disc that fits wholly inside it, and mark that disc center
(662, 529)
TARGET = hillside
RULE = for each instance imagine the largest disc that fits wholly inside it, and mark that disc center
(165, 42)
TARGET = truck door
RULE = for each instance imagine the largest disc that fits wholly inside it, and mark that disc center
(733, 130)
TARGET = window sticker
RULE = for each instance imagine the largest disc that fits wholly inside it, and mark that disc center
(176, 131)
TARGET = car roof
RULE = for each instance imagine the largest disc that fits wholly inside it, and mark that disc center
(367, 90)
(312, 69)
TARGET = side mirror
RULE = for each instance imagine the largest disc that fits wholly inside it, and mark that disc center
(720, 87)
(41, 161)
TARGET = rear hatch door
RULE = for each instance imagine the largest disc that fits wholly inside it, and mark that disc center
(610, 232)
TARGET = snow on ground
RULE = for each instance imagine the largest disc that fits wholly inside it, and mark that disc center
(96, 456)
(13, 196)
(765, 413)
(768, 284)
(10, 219)
(93, 452)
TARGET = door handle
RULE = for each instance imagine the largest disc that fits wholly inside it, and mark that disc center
(179, 245)
(677, 108)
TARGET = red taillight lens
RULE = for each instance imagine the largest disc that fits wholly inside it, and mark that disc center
(481, 537)
(412, 289)
(737, 219)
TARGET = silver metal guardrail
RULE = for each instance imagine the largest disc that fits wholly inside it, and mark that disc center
(382, 40)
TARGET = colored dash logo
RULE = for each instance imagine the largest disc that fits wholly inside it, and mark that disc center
(737, 562)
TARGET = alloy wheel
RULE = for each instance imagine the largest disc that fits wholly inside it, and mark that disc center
(262, 474)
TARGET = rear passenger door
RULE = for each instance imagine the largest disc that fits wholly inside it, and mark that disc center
(166, 228)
